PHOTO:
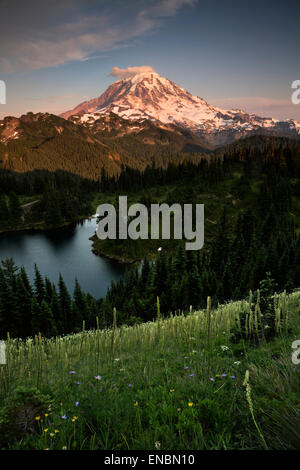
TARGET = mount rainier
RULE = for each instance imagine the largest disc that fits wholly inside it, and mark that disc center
(149, 96)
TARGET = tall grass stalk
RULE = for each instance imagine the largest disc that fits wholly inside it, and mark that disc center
(247, 385)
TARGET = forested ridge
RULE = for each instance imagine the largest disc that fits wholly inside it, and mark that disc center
(47, 142)
(57, 198)
(253, 196)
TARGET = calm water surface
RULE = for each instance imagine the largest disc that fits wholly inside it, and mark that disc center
(67, 251)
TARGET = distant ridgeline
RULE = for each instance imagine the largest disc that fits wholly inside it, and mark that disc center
(48, 142)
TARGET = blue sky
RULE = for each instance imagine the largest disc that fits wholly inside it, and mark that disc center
(55, 54)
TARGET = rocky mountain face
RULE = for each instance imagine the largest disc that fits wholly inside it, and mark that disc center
(149, 96)
(142, 120)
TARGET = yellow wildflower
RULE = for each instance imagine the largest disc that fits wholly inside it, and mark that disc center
(190, 403)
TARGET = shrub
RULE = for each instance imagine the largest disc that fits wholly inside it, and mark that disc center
(17, 416)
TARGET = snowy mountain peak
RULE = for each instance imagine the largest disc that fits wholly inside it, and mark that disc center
(145, 94)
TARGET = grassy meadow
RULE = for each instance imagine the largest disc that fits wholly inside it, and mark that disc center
(206, 380)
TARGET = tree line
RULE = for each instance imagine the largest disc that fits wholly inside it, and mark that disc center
(60, 197)
(27, 309)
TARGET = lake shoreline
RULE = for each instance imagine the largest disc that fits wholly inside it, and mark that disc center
(101, 253)
(35, 228)
(110, 256)
(66, 251)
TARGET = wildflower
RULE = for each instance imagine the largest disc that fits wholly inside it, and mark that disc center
(223, 375)
(76, 403)
(186, 367)
(157, 445)
(136, 404)
(237, 363)
(129, 385)
(64, 417)
(51, 434)
(172, 390)
(190, 404)
(233, 376)
(46, 430)
(77, 383)
(75, 417)
(178, 409)
(192, 375)
(211, 379)
(98, 377)
(117, 359)
(186, 357)
(46, 414)
(72, 372)
(56, 430)
(37, 418)
(224, 348)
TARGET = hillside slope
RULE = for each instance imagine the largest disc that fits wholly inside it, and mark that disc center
(169, 384)
(45, 141)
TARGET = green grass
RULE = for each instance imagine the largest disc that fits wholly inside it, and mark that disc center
(146, 397)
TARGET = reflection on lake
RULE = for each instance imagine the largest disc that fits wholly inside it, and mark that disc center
(67, 251)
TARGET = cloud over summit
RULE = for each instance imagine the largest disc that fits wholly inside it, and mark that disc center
(130, 71)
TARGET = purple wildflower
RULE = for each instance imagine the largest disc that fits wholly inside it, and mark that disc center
(129, 385)
(212, 379)
(98, 377)
(76, 403)
(191, 375)
(64, 417)
(223, 375)
(233, 376)
(72, 372)
(186, 367)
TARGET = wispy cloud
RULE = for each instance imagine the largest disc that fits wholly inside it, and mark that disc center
(46, 37)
